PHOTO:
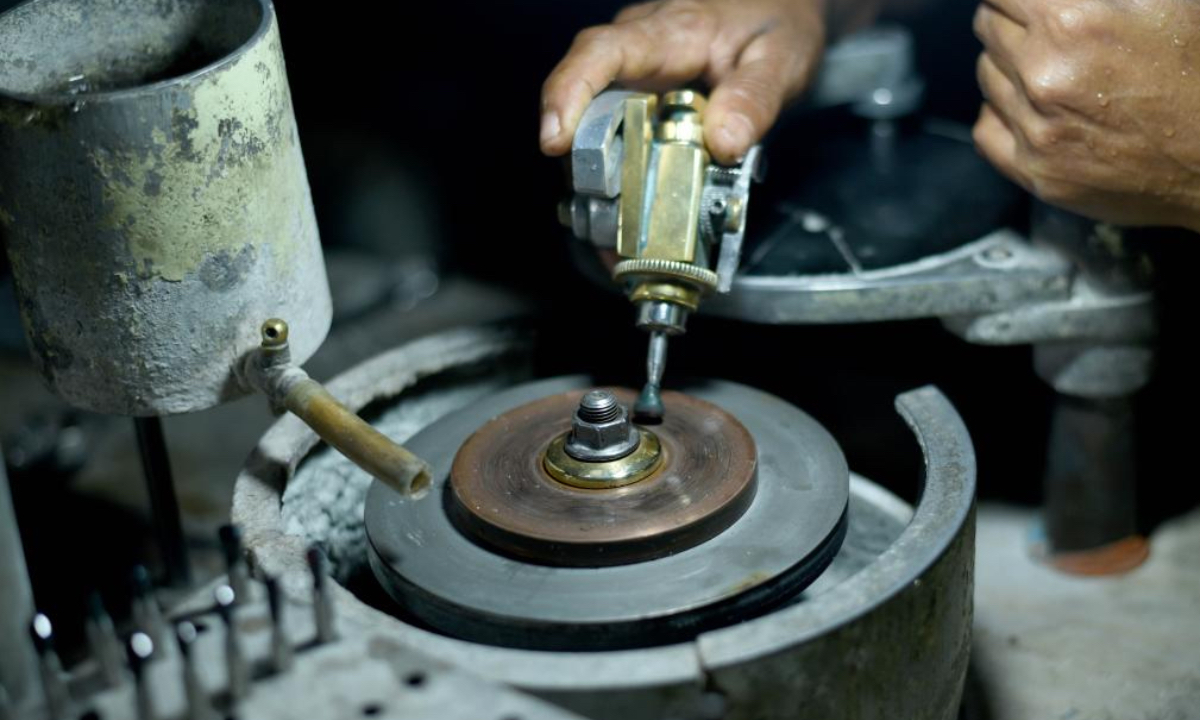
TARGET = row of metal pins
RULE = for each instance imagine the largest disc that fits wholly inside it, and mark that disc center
(112, 657)
(105, 646)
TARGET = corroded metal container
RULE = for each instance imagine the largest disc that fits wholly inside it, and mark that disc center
(153, 197)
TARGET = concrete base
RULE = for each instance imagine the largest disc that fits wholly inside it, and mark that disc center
(1060, 647)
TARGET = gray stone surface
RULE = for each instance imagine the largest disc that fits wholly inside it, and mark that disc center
(1058, 647)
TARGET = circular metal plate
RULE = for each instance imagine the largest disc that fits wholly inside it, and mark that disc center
(502, 495)
(780, 544)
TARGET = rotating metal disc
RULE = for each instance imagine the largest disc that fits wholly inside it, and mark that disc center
(502, 494)
(788, 535)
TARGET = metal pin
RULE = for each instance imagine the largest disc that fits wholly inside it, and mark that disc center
(53, 687)
(235, 659)
(235, 561)
(322, 603)
(140, 650)
(103, 641)
(147, 614)
(193, 691)
(649, 406)
(281, 646)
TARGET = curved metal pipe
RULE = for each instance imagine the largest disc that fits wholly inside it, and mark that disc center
(270, 370)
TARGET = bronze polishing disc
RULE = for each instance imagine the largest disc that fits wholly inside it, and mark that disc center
(503, 498)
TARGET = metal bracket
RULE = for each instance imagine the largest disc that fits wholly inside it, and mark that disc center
(597, 149)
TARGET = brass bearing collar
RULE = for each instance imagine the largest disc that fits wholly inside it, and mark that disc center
(685, 296)
(637, 465)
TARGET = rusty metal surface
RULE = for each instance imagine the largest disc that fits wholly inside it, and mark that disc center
(153, 197)
(502, 495)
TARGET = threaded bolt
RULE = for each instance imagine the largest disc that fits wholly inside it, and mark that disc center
(601, 430)
(599, 406)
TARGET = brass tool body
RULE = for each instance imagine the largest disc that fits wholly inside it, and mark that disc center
(673, 208)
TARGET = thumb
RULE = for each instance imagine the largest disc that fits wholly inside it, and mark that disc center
(772, 69)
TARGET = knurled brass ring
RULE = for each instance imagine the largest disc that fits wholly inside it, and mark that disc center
(637, 465)
(655, 268)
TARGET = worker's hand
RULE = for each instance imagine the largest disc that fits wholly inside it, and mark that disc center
(1089, 104)
(756, 54)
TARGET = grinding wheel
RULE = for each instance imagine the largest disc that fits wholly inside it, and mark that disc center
(502, 495)
(767, 516)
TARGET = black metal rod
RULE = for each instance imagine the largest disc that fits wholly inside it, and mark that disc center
(164, 506)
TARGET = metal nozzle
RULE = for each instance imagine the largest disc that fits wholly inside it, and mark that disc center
(660, 316)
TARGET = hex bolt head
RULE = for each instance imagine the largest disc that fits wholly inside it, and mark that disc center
(601, 430)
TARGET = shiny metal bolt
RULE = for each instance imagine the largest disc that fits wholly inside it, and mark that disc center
(601, 430)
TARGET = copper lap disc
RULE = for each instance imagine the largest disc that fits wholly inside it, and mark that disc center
(502, 497)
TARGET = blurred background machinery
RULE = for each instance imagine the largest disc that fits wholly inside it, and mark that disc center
(868, 259)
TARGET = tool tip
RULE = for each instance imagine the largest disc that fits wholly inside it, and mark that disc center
(649, 410)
